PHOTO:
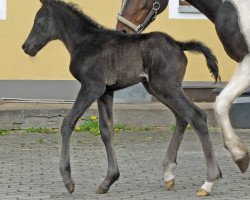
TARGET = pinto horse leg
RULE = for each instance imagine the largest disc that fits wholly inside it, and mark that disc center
(86, 96)
(169, 162)
(173, 96)
(105, 104)
(236, 86)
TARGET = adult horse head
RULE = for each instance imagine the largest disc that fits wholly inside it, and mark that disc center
(136, 15)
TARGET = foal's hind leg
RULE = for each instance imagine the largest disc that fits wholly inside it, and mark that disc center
(169, 162)
(174, 97)
(236, 86)
(86, 96)
(105, 104)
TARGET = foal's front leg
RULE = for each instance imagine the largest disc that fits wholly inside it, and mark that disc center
(105, 104)
(86, 96)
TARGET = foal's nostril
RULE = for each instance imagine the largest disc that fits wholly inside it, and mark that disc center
(24, 46)
(124, 31)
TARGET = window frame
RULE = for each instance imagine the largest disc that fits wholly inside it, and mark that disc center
(3, 9)
(177, 11)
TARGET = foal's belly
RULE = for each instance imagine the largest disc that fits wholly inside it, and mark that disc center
(125, 73)
(126, 81)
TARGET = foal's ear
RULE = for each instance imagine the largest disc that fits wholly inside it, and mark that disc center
(44, 1)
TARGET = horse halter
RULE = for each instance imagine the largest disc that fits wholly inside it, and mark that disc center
(139, 28)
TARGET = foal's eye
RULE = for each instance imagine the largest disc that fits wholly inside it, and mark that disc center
(39, 24)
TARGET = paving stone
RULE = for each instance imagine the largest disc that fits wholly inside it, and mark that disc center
(29, 167)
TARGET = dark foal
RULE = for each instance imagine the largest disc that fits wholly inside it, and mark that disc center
(231, 19)
(104, 61)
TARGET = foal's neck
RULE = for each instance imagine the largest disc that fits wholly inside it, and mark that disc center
(73, 28)
(207, 7)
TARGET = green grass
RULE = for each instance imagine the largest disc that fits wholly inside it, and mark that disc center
(173, 127)
(92, 125)
(4, 132)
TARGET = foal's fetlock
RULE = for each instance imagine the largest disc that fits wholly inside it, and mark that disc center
(216, 175)
(115, 176)
(108, 181)
(102, 190)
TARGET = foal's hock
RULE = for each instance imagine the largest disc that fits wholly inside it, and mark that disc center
(104, 61)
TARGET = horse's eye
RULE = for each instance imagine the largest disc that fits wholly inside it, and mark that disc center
(39, 24)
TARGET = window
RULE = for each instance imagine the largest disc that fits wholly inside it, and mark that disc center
(2, 9)
(185, 7)
(180, 9)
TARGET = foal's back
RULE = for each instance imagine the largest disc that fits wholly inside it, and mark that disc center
(122, 60)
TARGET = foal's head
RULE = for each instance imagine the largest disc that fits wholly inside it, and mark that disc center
(136, 15)
(43, 30)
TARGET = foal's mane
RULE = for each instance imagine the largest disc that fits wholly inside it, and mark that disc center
(75, 9)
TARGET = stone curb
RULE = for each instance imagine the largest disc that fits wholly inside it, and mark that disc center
(14, 115)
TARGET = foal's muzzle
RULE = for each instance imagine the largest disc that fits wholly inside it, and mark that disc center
(28, 50)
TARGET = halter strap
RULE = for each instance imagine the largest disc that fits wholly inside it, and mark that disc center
(139, 28)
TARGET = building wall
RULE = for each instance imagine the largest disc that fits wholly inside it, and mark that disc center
(52, 62)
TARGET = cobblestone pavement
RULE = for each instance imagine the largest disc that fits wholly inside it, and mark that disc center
(29, 167)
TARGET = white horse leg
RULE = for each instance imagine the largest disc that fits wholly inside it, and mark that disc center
(236, 86)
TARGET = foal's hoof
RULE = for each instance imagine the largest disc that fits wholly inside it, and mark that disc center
(101, 190)
(170, 185)
(70, 187)
(202, 193)
(243, 163)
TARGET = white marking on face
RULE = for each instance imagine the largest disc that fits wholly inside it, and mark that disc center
(243, 6)
(169, 172)
(207, 186)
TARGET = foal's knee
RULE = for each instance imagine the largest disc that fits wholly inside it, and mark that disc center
(67, 125)
(199, 120)
(106, 133)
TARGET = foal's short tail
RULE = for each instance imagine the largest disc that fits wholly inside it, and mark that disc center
(198, 47)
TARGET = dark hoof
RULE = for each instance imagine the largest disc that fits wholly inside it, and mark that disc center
(101, 190)
(70, 187)
(243, 163)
